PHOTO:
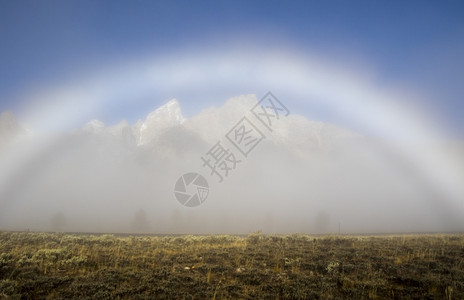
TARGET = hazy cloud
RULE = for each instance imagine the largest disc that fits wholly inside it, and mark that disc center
(304, 177)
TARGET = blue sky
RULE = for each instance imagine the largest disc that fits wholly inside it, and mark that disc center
(412, 45)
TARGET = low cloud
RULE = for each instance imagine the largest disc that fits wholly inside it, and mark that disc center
(304, 177)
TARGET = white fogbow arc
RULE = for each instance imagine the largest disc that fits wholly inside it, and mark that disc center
(294, 79)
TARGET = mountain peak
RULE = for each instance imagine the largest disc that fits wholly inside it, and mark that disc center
(169, 111)
(94, 126)
(243, 102)
(166, 116)
(172, 103)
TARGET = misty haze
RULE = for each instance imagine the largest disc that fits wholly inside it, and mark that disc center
(231, 149)
(306, 176)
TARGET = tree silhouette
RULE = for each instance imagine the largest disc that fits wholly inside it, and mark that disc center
(58, 221)
(140, 221)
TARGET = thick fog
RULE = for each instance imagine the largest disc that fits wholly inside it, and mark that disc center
(304, 176)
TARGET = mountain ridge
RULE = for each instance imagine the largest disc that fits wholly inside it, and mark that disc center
(295, 132)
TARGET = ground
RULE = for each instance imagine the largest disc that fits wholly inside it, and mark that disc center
(85, 266)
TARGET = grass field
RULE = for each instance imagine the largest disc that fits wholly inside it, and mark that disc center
(82, 266)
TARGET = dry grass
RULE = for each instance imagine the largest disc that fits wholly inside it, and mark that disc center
(66, 266)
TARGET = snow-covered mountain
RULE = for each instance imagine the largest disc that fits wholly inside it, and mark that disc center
(100, 175)
(163, 118)
(165, 127)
